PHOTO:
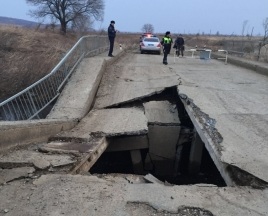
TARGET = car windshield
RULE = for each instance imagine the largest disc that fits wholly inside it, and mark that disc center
(151, 39)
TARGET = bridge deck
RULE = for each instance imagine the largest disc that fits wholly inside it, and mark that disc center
(237, 99)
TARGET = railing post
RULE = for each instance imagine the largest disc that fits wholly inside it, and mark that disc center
(226, 55)
(33, 105)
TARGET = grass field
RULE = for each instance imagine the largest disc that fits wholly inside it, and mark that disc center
(26, 55)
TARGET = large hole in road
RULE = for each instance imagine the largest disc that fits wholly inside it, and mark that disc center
(171, 152)
(121, 163)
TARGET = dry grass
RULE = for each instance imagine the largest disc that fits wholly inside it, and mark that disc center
(27, 55)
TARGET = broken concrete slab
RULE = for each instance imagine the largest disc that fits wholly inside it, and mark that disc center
(126, 143)
(162, 166)
(163, 135)
(7, 175)
(41, 163)
(161, 113)
(163, 140)
(85, 153)
(132, 79)
(18, 133)
(119, 178)
(150, 178)
(243, 128)
(251, 147)
(71, 136)
(85, 80)
(237, 100)
(24, 157)
(110, 122)
(88, 195)
(125, 93)
(218, 201)
(67, 147)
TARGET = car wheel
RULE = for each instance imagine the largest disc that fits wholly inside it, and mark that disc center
(141, 52)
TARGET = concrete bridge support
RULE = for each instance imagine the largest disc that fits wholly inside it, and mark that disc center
(195, 154)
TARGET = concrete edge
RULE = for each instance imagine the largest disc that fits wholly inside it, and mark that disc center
(91, 99)
(244, 63)
(103, 68)
(19, 133)
(213, 149)
(80, 112)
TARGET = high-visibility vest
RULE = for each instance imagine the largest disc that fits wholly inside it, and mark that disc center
(167, 40)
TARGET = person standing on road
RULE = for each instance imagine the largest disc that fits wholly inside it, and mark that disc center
(111, 35)
(179, 45)
(166, 43)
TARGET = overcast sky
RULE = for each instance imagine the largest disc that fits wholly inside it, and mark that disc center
(177, 16)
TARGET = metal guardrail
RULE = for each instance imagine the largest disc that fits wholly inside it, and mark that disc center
(226, 55)
(236, 52)
(29, 103)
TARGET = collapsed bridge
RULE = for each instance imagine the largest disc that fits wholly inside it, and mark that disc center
(189, 123)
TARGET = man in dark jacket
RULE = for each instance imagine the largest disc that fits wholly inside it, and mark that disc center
(111, 35)
(166, 43)
(179, 45)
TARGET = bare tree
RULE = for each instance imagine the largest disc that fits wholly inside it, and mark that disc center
(147, 28)
(67, 11)
(264, 40)
(82, 24)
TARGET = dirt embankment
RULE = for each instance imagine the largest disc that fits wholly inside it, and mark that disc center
(26, 55)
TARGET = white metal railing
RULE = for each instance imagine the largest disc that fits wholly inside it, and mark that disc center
(226, 55)
(203, 53)
(29, 103)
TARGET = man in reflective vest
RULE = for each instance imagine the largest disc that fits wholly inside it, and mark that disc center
(166, 43)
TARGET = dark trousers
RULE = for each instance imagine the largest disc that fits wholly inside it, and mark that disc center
(165, 56)
(180, 50)
(111, 39)
(166, 51)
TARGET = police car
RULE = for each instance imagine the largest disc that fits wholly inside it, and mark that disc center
(150, 43)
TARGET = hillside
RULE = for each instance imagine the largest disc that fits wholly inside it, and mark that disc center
(17, 22)
(27, 55)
